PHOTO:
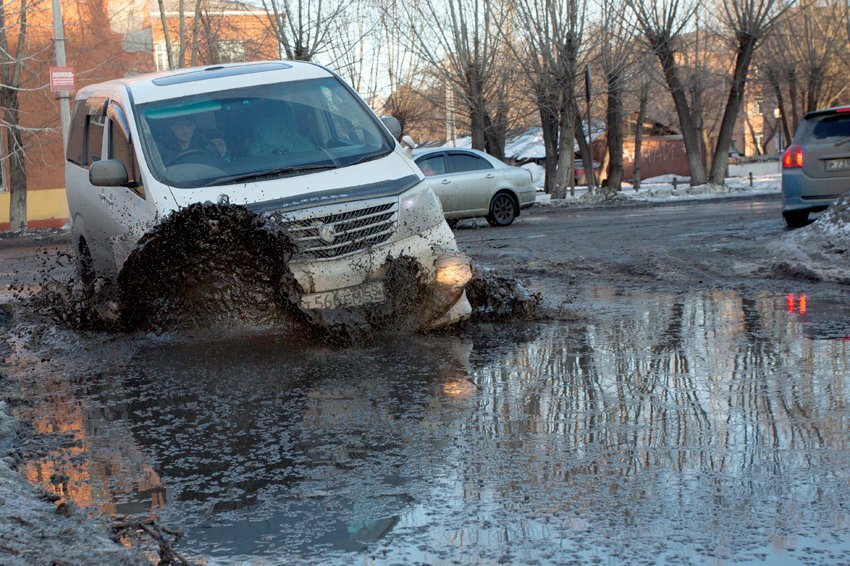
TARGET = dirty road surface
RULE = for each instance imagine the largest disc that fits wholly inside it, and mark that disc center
(678, 400)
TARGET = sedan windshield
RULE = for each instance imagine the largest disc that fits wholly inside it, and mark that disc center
(257, 133)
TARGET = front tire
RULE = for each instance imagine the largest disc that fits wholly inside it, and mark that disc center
(796, 218)
(503, 210)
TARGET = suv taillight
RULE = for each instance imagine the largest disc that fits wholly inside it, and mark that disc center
(793, 157)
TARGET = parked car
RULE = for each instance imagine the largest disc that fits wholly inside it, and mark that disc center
(581, 177)
(816, 166)
(283, 138)
(471, 183)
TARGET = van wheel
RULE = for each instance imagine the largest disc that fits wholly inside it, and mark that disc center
(503, 210)
(796, 218)
(85, 265)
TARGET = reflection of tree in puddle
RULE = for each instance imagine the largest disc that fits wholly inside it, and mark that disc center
(711, 402)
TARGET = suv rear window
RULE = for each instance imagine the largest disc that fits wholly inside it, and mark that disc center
(823, 129)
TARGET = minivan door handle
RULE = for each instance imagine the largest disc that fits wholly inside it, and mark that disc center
(108, 198)
(445, 182)
(489, 176)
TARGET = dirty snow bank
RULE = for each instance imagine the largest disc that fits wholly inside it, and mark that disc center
(34, 531)
(661, 189)
(819, 251)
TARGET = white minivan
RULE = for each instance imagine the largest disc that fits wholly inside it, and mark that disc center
(283, 138)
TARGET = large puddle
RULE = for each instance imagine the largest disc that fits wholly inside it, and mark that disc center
(705, 427)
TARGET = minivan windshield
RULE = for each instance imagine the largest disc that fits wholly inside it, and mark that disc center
(257, 133)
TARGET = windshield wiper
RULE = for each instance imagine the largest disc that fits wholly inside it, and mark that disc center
(372, 156)
(275, 173)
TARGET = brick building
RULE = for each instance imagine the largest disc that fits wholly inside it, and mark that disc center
(106, 39)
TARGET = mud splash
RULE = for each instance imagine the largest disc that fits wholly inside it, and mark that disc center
(497, 298)
(218, 268)
(206, 266)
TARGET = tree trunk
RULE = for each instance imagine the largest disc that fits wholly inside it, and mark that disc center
(17, 163)
(689, 133)
(614, 117)
(777, 90)
(644, 99)
(583, 145)
(475, 104)
(566, 148)
(549, 126)
(744, 56)
(169, 52)
(792, 90)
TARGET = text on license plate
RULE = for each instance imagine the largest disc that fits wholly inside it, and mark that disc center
(837, 164)
(347, 297)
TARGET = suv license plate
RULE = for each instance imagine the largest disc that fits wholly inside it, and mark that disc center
(346, 297)
(838, 164)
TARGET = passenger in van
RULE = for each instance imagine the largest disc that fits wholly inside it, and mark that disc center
(185, 138)
(278, 137)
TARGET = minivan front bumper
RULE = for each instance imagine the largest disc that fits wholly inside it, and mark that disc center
(446, 271)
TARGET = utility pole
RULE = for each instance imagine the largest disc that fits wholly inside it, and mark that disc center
(64, 97)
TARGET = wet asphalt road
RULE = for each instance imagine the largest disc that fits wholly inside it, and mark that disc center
(674, 412)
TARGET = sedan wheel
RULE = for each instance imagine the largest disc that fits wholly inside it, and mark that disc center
(503, 210)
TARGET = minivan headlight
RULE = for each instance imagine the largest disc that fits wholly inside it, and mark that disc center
(418, 211)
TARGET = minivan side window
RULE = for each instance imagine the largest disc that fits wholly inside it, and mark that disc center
(94, 139)
(77, 133)
(121, 148)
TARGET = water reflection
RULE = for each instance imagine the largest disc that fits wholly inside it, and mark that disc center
(707, 424)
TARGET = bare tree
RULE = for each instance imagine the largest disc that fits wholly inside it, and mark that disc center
(746, 24)
(461, 41)
(13, 55)
(662, 22)
(617, 46)
(804, 60)
(547, 41)
(305, 28)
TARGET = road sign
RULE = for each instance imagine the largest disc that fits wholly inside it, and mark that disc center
(62, 79)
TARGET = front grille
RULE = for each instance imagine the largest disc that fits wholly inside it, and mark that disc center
(353, 231)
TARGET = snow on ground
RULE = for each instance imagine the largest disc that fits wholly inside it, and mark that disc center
(661, 189)
(821, 250)
(34, 531)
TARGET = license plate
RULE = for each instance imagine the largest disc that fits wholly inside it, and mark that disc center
(346, 297)
(837, 164)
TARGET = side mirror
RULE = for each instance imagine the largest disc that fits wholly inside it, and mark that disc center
(393, 125)
(108, 173)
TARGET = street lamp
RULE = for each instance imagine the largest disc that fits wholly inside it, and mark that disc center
(777, 113)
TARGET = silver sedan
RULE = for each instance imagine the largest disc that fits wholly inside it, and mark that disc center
(471, 183)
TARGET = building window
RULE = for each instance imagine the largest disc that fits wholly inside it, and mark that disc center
(758, 140)
(757, 102)
(231, 51)
(160, 56)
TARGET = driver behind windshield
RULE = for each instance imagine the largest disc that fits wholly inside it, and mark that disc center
(183, 138)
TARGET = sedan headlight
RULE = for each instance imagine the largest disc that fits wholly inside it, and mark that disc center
(418, 210)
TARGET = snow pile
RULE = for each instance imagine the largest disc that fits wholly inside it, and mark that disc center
(661, 189)
(821, 250)
(34, 531)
